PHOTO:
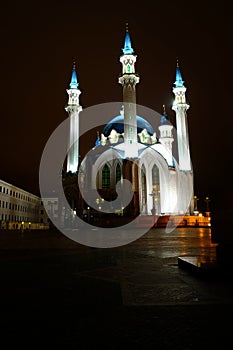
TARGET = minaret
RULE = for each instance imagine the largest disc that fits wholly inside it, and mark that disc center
(73, 108)
(165, 128)
(180, 107)
(128, 80)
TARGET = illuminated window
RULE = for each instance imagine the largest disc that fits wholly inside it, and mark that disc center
(128, 68)
(155, 175)
(106, 176)
(143, 181)
(156, 188)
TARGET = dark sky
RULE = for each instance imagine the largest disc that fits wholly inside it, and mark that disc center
(40, 40)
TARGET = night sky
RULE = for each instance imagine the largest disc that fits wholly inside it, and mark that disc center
(40, 40)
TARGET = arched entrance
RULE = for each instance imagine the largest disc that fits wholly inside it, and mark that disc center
(156, 190)
(143, 190)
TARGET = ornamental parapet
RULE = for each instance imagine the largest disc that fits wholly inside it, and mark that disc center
(73, 108)
(129, 79)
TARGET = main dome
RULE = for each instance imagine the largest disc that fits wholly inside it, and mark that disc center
(117, 123)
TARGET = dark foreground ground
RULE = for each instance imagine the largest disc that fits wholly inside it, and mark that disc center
(57, 293)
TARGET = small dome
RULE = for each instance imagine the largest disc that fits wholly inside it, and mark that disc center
(117, 124)
(164, 120)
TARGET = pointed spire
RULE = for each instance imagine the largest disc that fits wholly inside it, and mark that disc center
(127, 47)
(179, 81)
(97, 141)
(164, 110)
(74, 81)
(164, 119)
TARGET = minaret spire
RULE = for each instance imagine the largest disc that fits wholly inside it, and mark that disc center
(74, 81)
(128, 80)
(73, 108)
(179, 81)
(180, 107)
(127, 46)
(164, 110)
(97, 141)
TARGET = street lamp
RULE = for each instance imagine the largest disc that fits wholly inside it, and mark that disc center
(195, 211)
(99, 201)
(207, 200)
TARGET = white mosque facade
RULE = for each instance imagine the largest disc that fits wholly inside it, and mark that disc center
(129, 148)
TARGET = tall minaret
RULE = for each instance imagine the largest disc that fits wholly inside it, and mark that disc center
(180, 107)
(73, 108)
(165, 128)
(128, 80)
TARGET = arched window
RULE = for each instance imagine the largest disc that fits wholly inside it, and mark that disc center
(144, 191)
(156, 188)
(106, 176)
(155, 175)
(118, 172)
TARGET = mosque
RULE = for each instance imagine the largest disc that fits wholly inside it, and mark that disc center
(129, 147)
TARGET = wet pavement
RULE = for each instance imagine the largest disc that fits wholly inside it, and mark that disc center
(57, 292)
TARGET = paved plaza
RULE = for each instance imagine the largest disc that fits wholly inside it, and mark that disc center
(57, 292)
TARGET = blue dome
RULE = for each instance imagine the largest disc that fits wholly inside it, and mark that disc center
(117, 124)
(164, 120)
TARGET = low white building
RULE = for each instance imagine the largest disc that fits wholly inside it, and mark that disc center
(20, 209)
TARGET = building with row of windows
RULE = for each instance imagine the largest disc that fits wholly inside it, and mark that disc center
(20, 209)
